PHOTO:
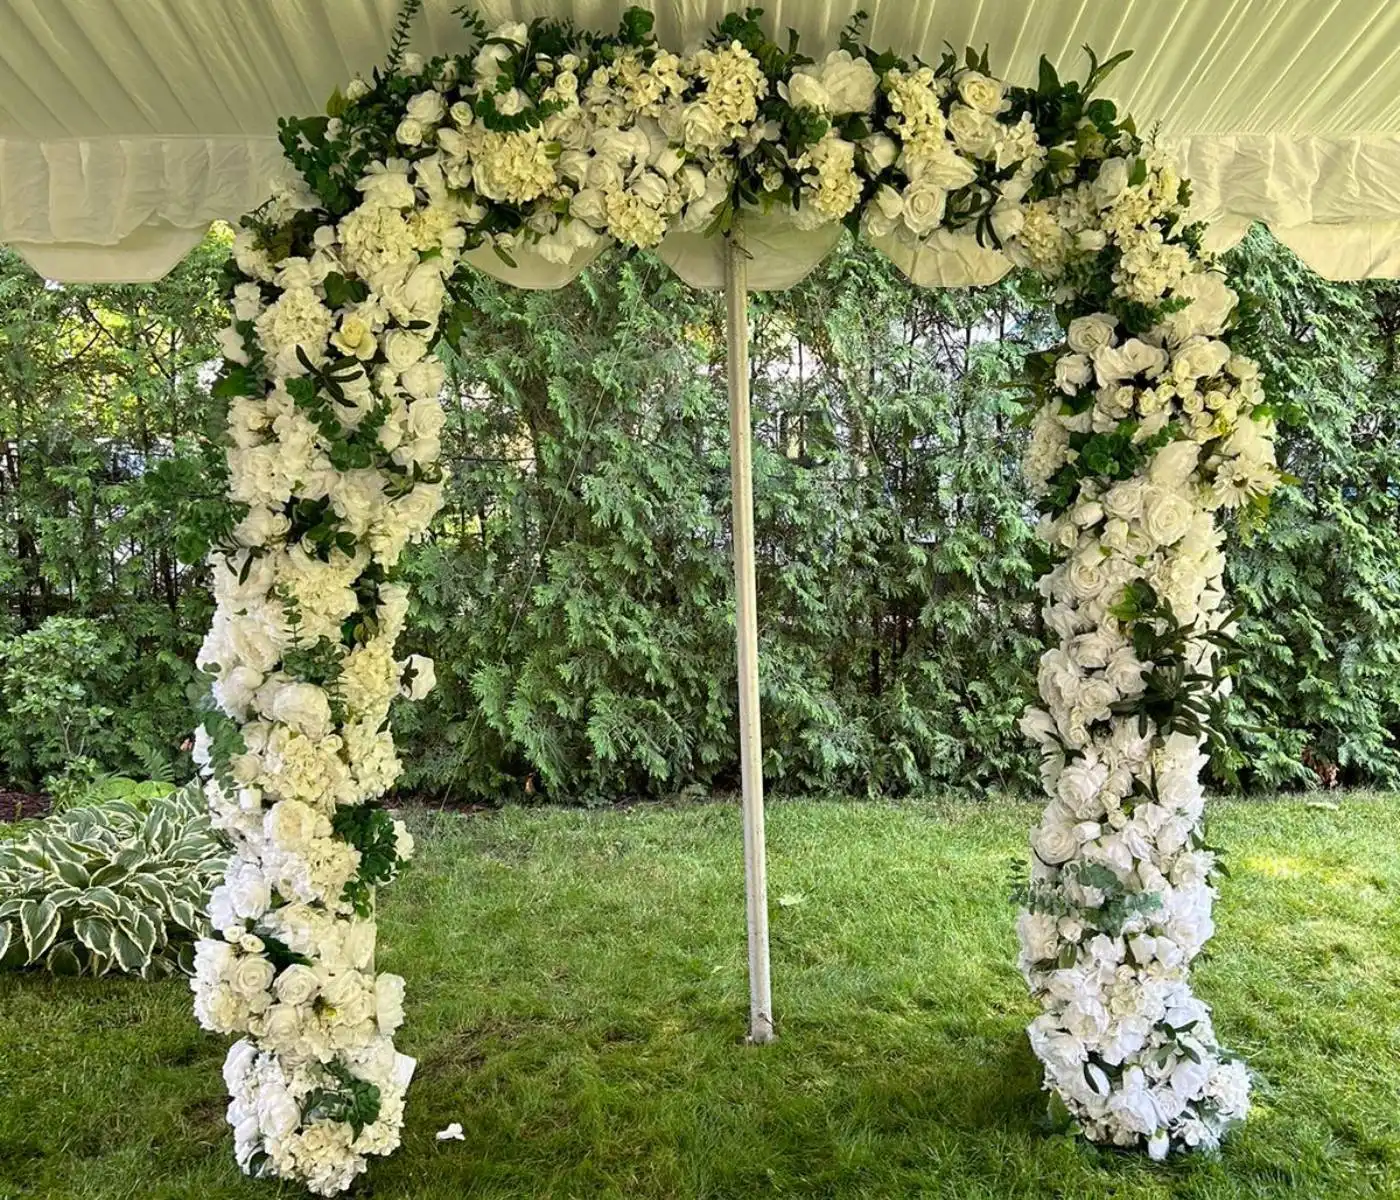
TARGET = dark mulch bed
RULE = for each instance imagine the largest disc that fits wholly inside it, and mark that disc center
(22, 806)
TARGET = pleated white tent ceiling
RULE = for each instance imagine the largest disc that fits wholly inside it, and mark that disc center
(127, 126)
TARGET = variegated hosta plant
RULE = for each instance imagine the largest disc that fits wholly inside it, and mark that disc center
(113, 887)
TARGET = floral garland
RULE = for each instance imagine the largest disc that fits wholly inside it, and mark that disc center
(549, 141)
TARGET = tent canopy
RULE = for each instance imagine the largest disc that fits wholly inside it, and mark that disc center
(127, 126)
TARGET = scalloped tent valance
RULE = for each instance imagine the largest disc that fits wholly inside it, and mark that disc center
(127, 126)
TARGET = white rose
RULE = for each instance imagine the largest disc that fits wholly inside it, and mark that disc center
(232, 347)
(1086, 573)
(303, 707)
(291, 825)
(1173, 465)
(650, 189)
(356, 89)
(1166, 515)
(979, 92)
(880, 153)
(1212, 302)
(281, 1027)
(1133, 358)
(1072, 372)
(702, 128)
(1054, 843)
(424, 678)
(974, 132)
(410, 132)
(1094, 332)
(1124, 500)
(850, 83)
(805, 90)
(278, 1113)
(1039, 936)
(591, 207)
(1124, 671)
(427, 108)
(403, 348)
(388, 1002)
(355, 337)
(251, 976)
(512, 102)
(248, 891)
(297, 984)
(424, 380)
(512, 31)
(1112, 181)
(403, 842)
(1199, 358)
(924, 204)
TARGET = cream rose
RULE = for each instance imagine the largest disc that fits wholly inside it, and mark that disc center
(1072, 372)
(251, 976)
(979, 92)
(1091, 333)
(1133, 358)
(402, 349)
(297, 984)
(1166, 514)
(974, 132)
(924, 203)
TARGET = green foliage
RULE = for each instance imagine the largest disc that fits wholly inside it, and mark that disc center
(577, 593)
(353, 1100)
(111, 491)
(1320, 581)
(578, 596)
(120, 886)
(370, 830)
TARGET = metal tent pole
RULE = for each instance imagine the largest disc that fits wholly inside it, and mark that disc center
(745, 592)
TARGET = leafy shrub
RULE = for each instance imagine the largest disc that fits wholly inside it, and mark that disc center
(119, 886)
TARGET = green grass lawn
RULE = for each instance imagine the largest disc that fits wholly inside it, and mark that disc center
(577, 1000)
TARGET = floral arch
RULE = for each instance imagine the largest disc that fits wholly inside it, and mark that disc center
(526, 157)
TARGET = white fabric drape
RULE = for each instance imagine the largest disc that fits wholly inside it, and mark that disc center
(126, 126)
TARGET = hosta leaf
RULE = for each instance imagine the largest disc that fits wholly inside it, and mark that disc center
(63, 960)
(72, 872)
(144, 932)
(95, 933)
(103, 898)
(184, 914)
(62, 897)
(39, 922)
(151, 888)
(31, 856)
(61, 851)
(127, 952)
(7, 932)
(184, 957)
(133, 858)
(113, 872)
